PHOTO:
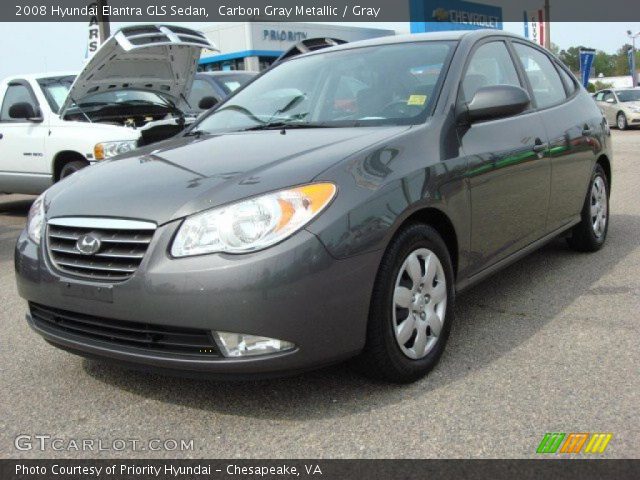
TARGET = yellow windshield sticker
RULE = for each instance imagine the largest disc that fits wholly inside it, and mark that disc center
(417, 100)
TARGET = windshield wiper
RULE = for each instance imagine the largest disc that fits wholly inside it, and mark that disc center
(286, 126)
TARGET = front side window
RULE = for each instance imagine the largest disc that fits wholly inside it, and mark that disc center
(547, 86)
(600, 96)
(609, 97)
(379, 85)
(490, 65)
(16, 93)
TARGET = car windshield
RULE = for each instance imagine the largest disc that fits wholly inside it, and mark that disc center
(119, 97)
(230, 83)
(55, 90)
(380, 85)
(628, 95)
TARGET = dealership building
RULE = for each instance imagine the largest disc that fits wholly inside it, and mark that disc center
(254, 46)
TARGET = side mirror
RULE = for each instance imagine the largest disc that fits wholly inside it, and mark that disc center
(610, 100)
(24, 111)
(207, 102)
(496, 101)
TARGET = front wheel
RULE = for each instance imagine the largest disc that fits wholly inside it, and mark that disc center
(590, 234)
(72, 167)
(622, 121)
(411, 307)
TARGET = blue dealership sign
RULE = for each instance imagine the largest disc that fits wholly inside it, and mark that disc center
(441, 15)
(586, 61)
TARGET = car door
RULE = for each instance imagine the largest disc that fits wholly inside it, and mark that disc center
(508, 172)
(572, 123)
(22, 141)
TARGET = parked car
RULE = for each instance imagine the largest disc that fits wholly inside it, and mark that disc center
(132, 92)
(621, 107)
(213, 87)
(284, 231)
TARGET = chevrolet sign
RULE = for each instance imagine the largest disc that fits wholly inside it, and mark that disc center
(439, 15)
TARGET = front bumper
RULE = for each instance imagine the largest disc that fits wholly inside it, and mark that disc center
(634, 119)
(294, 291)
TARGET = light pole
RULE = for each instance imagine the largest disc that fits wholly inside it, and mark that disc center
(634, 77)
(547, 19)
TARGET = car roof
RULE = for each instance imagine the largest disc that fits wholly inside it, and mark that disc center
(420, 37)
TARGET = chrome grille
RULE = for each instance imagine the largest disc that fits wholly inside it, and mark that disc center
(121, 246)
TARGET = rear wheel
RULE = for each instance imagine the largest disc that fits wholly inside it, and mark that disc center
(590, 234)
(411, 308)
(72, 167)
(622, 121)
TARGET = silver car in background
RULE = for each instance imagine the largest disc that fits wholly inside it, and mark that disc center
(621, 107)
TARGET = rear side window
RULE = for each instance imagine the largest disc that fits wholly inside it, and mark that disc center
(569, 82)
(15, 93)
(547, 86)
(490, 65)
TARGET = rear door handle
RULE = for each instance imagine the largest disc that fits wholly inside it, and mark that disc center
(540, 146)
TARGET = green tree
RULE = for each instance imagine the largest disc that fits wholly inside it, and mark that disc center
(604, 64)
(571, 58)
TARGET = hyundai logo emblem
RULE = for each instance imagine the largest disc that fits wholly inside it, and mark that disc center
(88, 244)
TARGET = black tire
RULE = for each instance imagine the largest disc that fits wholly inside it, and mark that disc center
(621, 121)
(72, 167)
(583, 237)
(382, 358)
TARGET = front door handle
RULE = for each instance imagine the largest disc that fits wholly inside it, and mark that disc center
(1, 136)
(540, 146)
(586, 131)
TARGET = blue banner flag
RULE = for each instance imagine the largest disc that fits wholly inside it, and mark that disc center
(586, 61)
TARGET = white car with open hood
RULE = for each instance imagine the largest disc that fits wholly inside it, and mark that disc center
(132, 92)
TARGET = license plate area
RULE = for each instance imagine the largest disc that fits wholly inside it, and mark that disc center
(101, 293)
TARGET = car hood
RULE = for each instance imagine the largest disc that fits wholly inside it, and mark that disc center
(185, 175)
(632, 104)
(158, 58)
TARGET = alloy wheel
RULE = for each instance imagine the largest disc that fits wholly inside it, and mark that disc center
(599, 207)
(419, 303)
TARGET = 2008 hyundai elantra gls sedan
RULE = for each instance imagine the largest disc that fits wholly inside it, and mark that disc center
(332, 208)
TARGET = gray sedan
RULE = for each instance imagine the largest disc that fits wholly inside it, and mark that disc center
(331, 208)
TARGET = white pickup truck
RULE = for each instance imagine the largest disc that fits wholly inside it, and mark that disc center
(132, 92)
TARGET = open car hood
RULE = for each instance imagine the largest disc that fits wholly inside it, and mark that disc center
(159, 58)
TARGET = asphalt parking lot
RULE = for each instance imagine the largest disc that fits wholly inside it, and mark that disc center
(550, 344)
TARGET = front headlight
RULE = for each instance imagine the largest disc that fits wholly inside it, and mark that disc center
(35, 220)
(111, 149)
(252, 224)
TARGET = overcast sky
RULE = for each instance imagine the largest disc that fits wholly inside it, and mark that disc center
(49, 47)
